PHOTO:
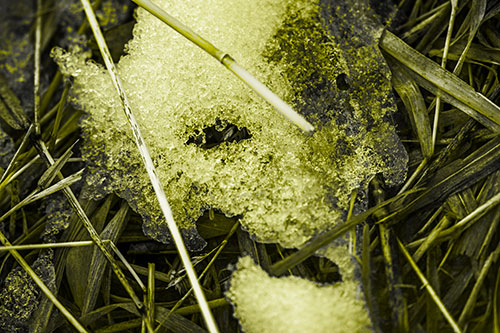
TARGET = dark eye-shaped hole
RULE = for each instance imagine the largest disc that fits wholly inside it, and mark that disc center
(342, 81)
(210, 137)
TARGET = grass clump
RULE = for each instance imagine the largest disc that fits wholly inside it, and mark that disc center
(428, 250)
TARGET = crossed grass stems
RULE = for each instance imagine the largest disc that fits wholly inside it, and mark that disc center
(411, 70)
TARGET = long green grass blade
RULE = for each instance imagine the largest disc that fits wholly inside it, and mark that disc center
(459, 175)
(150, 168)
(52, 171)
(60, 185)
(98, 263)
(440, 77)
(454, 7)
(478, 9)
(414, 103)
(471, 301)
(80, 213)
(429, 289)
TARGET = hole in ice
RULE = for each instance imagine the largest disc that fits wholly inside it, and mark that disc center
(211, 137)
(342, 81)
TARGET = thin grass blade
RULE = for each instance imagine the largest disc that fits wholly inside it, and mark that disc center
(61, 185)
(431, 291)
(150, 168)
(459, 175)
(454, 7)
(98, 263)
(21, 147)
(49, 175)
(414, 103)
(478, 9)
(472, 299)
(496, 305)
(151, 294)
(439, 77)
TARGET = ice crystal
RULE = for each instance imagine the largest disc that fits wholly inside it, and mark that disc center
(287, 186)
(292, 304)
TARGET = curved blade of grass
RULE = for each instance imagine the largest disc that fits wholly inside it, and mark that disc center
(281, 106)
(414, 33)
(440, 78)
(414, 103)
(459, 175)
(176, 322)
(60, 185)
(472, 217)
(150, 168)
(477, 52)
(52, 171)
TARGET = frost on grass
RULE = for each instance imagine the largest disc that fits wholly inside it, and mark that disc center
(320, 56)
(58, 212)
(291, 304)
(20, 296)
